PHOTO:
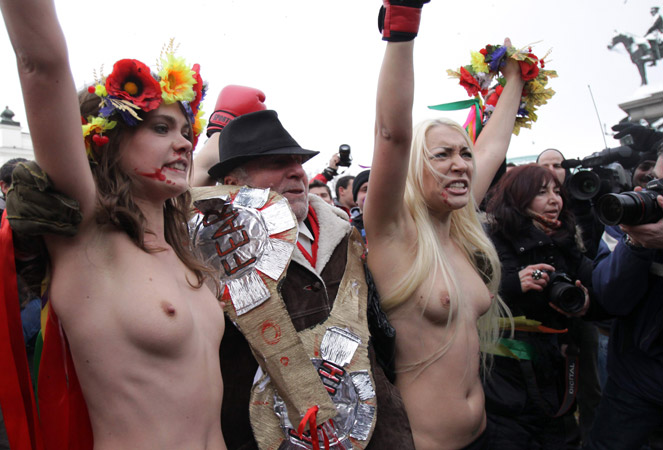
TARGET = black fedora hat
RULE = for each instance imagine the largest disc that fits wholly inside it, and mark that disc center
(252, 135)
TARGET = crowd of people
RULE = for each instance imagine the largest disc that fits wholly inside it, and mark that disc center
(438, 300)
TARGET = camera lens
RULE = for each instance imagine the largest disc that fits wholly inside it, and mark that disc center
(584, 185)
(569, 298)
(566, 295)
(630, 208)
(611, 208)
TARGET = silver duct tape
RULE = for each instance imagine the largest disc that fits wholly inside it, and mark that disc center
(363, 384)
(281, 411)
(355, 288)
(278, 217)
(364, 419)
(248, 292)
(293, 442)
(338, 346)
(251, 198)
(275, 258)
(346, 444)
(346, 400)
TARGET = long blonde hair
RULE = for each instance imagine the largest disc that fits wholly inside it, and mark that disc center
(430, 261)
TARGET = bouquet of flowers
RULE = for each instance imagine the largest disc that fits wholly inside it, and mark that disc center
(483, 81)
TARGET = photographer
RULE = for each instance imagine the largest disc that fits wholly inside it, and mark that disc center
(629, 284)
(535, 236)
(344, 184)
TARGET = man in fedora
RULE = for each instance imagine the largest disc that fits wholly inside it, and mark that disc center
(255, 150)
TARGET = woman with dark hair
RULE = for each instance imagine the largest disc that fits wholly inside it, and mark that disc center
(143, 327)
(535, 236)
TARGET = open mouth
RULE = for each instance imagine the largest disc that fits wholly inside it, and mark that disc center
(457, 187)
(177, 166)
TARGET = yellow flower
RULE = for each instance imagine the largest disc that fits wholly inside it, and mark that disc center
(479, 63)
(177, 80)
(100, 90)
(199, 123)
(97, 125)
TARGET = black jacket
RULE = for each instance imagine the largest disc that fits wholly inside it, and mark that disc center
(533, 246)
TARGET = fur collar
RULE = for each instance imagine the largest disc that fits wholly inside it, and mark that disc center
(334, 226)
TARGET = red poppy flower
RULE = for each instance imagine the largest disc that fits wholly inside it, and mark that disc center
(470, 84)
(131, 80)
(197, 88)
(529, 71)
(495, 95)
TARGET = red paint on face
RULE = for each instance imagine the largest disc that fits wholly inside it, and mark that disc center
(157, 175)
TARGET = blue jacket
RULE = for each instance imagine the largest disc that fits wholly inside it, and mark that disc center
(628, 282)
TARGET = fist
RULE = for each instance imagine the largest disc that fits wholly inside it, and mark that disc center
(233, 101)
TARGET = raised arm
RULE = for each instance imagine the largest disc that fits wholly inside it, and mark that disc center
(205, 158)
(51, 102)
(493, 142)
(393, 134)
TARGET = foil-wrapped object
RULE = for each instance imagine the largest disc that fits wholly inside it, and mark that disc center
(363, 385)
(363, 420)
(251, 197)
(354, 418)
(278, 217)
(275, 258)
(248, 292)
(339, 346)
(234, 237)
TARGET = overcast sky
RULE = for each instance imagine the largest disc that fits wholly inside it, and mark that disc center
(318, 62)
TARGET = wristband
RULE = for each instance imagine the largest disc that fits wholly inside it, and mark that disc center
(329, 173)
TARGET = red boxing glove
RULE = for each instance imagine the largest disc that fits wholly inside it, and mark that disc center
(398, 20)
(233, 101)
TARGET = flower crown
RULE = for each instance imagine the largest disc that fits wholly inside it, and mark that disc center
(482, 80)
(132, 87)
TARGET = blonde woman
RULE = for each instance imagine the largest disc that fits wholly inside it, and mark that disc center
(435, 269)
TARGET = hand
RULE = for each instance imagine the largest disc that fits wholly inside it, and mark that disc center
(649, 235)
(534, 277)
(511, 70)
(584, 309)
(644, 138)
(333, 162)
(398, 20)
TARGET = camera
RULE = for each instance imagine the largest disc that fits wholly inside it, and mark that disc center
(563, 293)
(344, 155)
(601, 172)
(632, 208)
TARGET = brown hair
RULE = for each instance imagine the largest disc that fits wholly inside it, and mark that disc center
(513, 194)
(116, 205)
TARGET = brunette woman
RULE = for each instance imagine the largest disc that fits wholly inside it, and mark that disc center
(546, 279)
(143, 328)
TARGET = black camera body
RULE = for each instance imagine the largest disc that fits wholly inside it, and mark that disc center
(601, 172)
(632, 208)
(563, 293)
(344, 155)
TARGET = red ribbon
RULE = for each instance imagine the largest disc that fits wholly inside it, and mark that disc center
(310, 417)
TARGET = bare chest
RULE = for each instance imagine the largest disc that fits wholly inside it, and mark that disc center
(143, 300)
(464, 294)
